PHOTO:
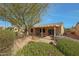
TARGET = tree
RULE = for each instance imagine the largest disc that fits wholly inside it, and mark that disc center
(24, 16)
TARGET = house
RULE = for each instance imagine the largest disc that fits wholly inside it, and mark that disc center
(55, 29)
(76, 29)
(2, 28)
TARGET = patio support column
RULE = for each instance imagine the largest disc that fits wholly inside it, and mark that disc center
(54, 32)
(41, 32)
(46, 31)
(33, 31)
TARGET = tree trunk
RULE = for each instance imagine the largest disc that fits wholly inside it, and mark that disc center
(26, 32)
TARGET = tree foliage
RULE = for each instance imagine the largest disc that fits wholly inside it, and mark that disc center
(22, 15)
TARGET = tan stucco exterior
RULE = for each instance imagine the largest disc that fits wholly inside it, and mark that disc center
(51, 29)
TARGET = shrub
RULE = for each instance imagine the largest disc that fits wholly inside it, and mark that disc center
(39, 49)
(7, 38)
(68, 47)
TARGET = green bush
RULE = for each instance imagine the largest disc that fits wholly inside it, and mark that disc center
(39, 49)
(68, 47)
(7, 38)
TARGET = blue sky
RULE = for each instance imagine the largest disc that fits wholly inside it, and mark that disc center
(66, 13)
(5, 24)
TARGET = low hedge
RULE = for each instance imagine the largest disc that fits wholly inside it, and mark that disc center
(39, 49)
(68, 47)
(7, 38)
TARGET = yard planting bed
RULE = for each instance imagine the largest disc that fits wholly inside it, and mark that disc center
(7, 38)
(39, 49)
(68, 47)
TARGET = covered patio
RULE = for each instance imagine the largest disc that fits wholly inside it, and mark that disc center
(47, 30)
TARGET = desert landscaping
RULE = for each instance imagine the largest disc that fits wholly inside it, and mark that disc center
(26, 37)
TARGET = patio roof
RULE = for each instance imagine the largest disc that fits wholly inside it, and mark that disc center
(46, 25)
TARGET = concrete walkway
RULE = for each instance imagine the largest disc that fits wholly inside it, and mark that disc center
(46, 39)
(65, 37)
(20, 43)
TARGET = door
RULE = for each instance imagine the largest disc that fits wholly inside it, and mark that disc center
(51, 32)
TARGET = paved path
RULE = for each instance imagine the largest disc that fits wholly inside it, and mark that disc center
(65, 37)
(46, 39)
(20, 43)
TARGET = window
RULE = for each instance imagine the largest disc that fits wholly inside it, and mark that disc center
(31, 30)
(43, 30)
(40, 30)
